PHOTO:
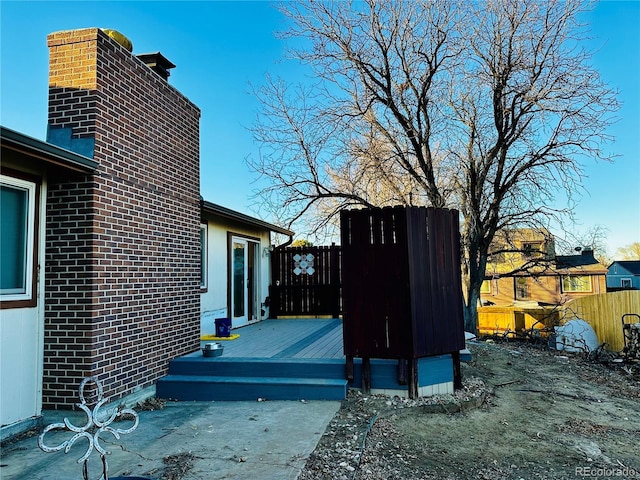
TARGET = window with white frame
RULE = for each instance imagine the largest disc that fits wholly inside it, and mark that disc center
(625, 283)
(576, 283)
(17, 239)
(203, 256)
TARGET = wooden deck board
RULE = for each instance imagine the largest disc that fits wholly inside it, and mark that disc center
(295, 338)
(329, 346)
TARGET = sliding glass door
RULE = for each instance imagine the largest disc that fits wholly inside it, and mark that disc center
(244, 281)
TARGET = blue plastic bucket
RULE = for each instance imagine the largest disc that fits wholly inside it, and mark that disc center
(223, 327)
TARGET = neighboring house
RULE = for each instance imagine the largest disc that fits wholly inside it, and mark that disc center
(624, 275)
(511, 255)
(527, 270)
(525, 280)
(236, 266)
(580, 275)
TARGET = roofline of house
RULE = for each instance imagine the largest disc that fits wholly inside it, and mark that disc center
(241, 217)
(626, 264)
(47, 152)
(554, 272)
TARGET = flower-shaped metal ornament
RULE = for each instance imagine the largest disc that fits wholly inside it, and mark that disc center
(91, 430)
(303, 264)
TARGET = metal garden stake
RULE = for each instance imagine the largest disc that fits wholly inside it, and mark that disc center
(91, 430)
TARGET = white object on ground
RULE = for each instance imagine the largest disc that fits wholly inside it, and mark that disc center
(576, 336)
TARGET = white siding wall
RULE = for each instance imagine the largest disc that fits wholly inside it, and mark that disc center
(214, 301)
(21, 348)
(20, 365)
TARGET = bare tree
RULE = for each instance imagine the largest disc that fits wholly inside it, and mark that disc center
(488, 107)
(629, 252)
(594, 238)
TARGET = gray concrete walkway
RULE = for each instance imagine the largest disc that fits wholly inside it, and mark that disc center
(229, 440)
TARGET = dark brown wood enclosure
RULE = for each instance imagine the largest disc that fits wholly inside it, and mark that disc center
(402, 291)
(305, 281)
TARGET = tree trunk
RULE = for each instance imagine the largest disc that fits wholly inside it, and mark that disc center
(471, 311)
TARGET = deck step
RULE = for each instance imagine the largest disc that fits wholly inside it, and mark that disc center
(195, 377)
(221, 388)
(257, 367)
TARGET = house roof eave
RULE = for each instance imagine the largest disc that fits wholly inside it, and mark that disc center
(630, 267)
(225, 212)
(46, 152)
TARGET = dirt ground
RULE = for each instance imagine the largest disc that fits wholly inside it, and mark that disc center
(525, 412)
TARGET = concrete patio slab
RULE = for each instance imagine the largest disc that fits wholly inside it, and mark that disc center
(230, 440)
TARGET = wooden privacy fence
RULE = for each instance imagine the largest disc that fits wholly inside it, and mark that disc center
(402, 282)
(512, 320)
(402, 288)
(306, 281)
(604, 313)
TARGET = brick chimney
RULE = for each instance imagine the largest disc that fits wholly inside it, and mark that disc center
(122, 249)
(158, 63)
(588, 254)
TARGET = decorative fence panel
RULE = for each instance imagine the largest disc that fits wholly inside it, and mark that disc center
(306, 281)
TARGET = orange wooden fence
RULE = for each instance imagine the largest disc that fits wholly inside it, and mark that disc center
(604, 313)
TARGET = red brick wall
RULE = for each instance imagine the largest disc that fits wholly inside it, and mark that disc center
(68, 289)
(122, 257)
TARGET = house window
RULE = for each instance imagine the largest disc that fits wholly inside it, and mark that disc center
(532, 249)
(625, 283)
(17, 236)
(486, 287)
(203, 256)
(522, 288)
(576, 283)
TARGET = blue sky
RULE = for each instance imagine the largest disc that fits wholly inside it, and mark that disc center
(220, 47)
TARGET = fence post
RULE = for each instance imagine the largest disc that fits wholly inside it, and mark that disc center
(334, 255)
(274, 290)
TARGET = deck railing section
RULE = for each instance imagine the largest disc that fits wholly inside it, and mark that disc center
(306, 281)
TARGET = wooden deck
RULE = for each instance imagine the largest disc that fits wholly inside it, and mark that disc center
(289, 360)
(287, 338)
